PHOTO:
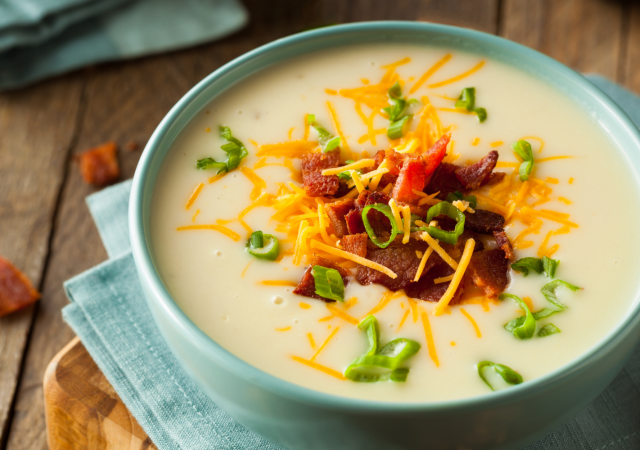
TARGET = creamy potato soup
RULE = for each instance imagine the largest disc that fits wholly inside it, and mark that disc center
(201, 221)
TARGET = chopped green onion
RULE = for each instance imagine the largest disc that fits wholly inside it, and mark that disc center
(481, 113)
(528, 327)
(549, 292)
(386, 210)
(550, 266)
(525, 264)
(457, 195)
(326, 140)
(509, 375)
(467, 99)
(450, 237)
(234, 149)
(548, 330)
(523, 150)
(256, 246)
(381, 365)
(538, 315)
(396, 129)
(329, 283)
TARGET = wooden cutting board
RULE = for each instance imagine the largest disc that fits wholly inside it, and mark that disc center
(83, 410)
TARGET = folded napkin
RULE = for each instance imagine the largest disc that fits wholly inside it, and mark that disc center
(109, 314)
(41, 38)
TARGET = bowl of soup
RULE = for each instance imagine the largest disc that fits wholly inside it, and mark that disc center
(392, 235)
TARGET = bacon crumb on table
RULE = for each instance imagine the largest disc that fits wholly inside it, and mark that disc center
(99, 166)
(16, 291)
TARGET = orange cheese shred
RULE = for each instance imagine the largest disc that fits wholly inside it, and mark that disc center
(258, 183)
(473, 322)
(458, 77)
(194, 195)
(222, 229)
(320, 367)
(431, 347)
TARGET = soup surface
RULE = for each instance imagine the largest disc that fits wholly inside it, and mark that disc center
(248, 306)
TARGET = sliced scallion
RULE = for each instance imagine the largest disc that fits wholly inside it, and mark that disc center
(467, 99)
(326, 140)
(548, 330)
(538, 315)
(384, 364)
(525, 264)
(397, 128)
(234, 149)
(329, 283)
(386, 210)
(550, 265)
(527, 329)
(523, 150)
(446, 208)
(263, 246)
(509, 375)
(549, 292)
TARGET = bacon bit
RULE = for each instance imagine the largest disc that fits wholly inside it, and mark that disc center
(16, 291)
(504, 243)
(412, 177)
(312, 166)
(477, 174)
(434, 156)
(99, 165)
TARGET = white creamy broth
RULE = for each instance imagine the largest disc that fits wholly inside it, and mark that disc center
(204, 270)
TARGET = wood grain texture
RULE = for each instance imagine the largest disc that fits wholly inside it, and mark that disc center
(586, 35)
(83, 411)
(630, 75)
(36, 131)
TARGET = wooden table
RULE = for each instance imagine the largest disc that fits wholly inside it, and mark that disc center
(45, 227)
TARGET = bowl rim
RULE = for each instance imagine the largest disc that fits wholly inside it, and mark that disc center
(251, 374)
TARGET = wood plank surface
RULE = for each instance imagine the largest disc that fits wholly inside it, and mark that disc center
(45, 227)
(586, 35)
(36, 132)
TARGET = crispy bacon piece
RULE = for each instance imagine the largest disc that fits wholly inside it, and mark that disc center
(444, 180)
(504, 243)
(426, 289)
(401, 259)
(494, 178)
(337, 212)
(354, 222)
(307, 285)
(356, 244)
(99, 165)
(378, 221)
(412, 176)
(313, 164)
(16, 291)
(489, 270)
(483, 221)
(394, 161)
(433, 157)
(387, 178)
(477, 174)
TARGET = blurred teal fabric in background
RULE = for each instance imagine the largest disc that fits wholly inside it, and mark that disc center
(42, 38)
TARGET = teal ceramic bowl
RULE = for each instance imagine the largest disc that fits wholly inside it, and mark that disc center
(299, 418)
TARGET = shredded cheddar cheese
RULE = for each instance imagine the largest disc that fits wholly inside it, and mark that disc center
(193, 218)
(350, 256)
(457, 278)
(430, 72)
(395, 210)
(324, 344)
(353, 166)
(443, 279)
(222, 229)
(258, 183)
(341, 314)
(406, 215)
(423, 261)
(404, 318)
(194, 195)
(431, 346)
(320, 367)
(279, 283)
(473, 322)
(433, 244)
(458, 77)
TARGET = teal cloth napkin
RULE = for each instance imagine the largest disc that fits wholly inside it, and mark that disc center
(109, 314)
(42, 38)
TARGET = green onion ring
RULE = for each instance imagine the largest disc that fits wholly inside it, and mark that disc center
(386, 210)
